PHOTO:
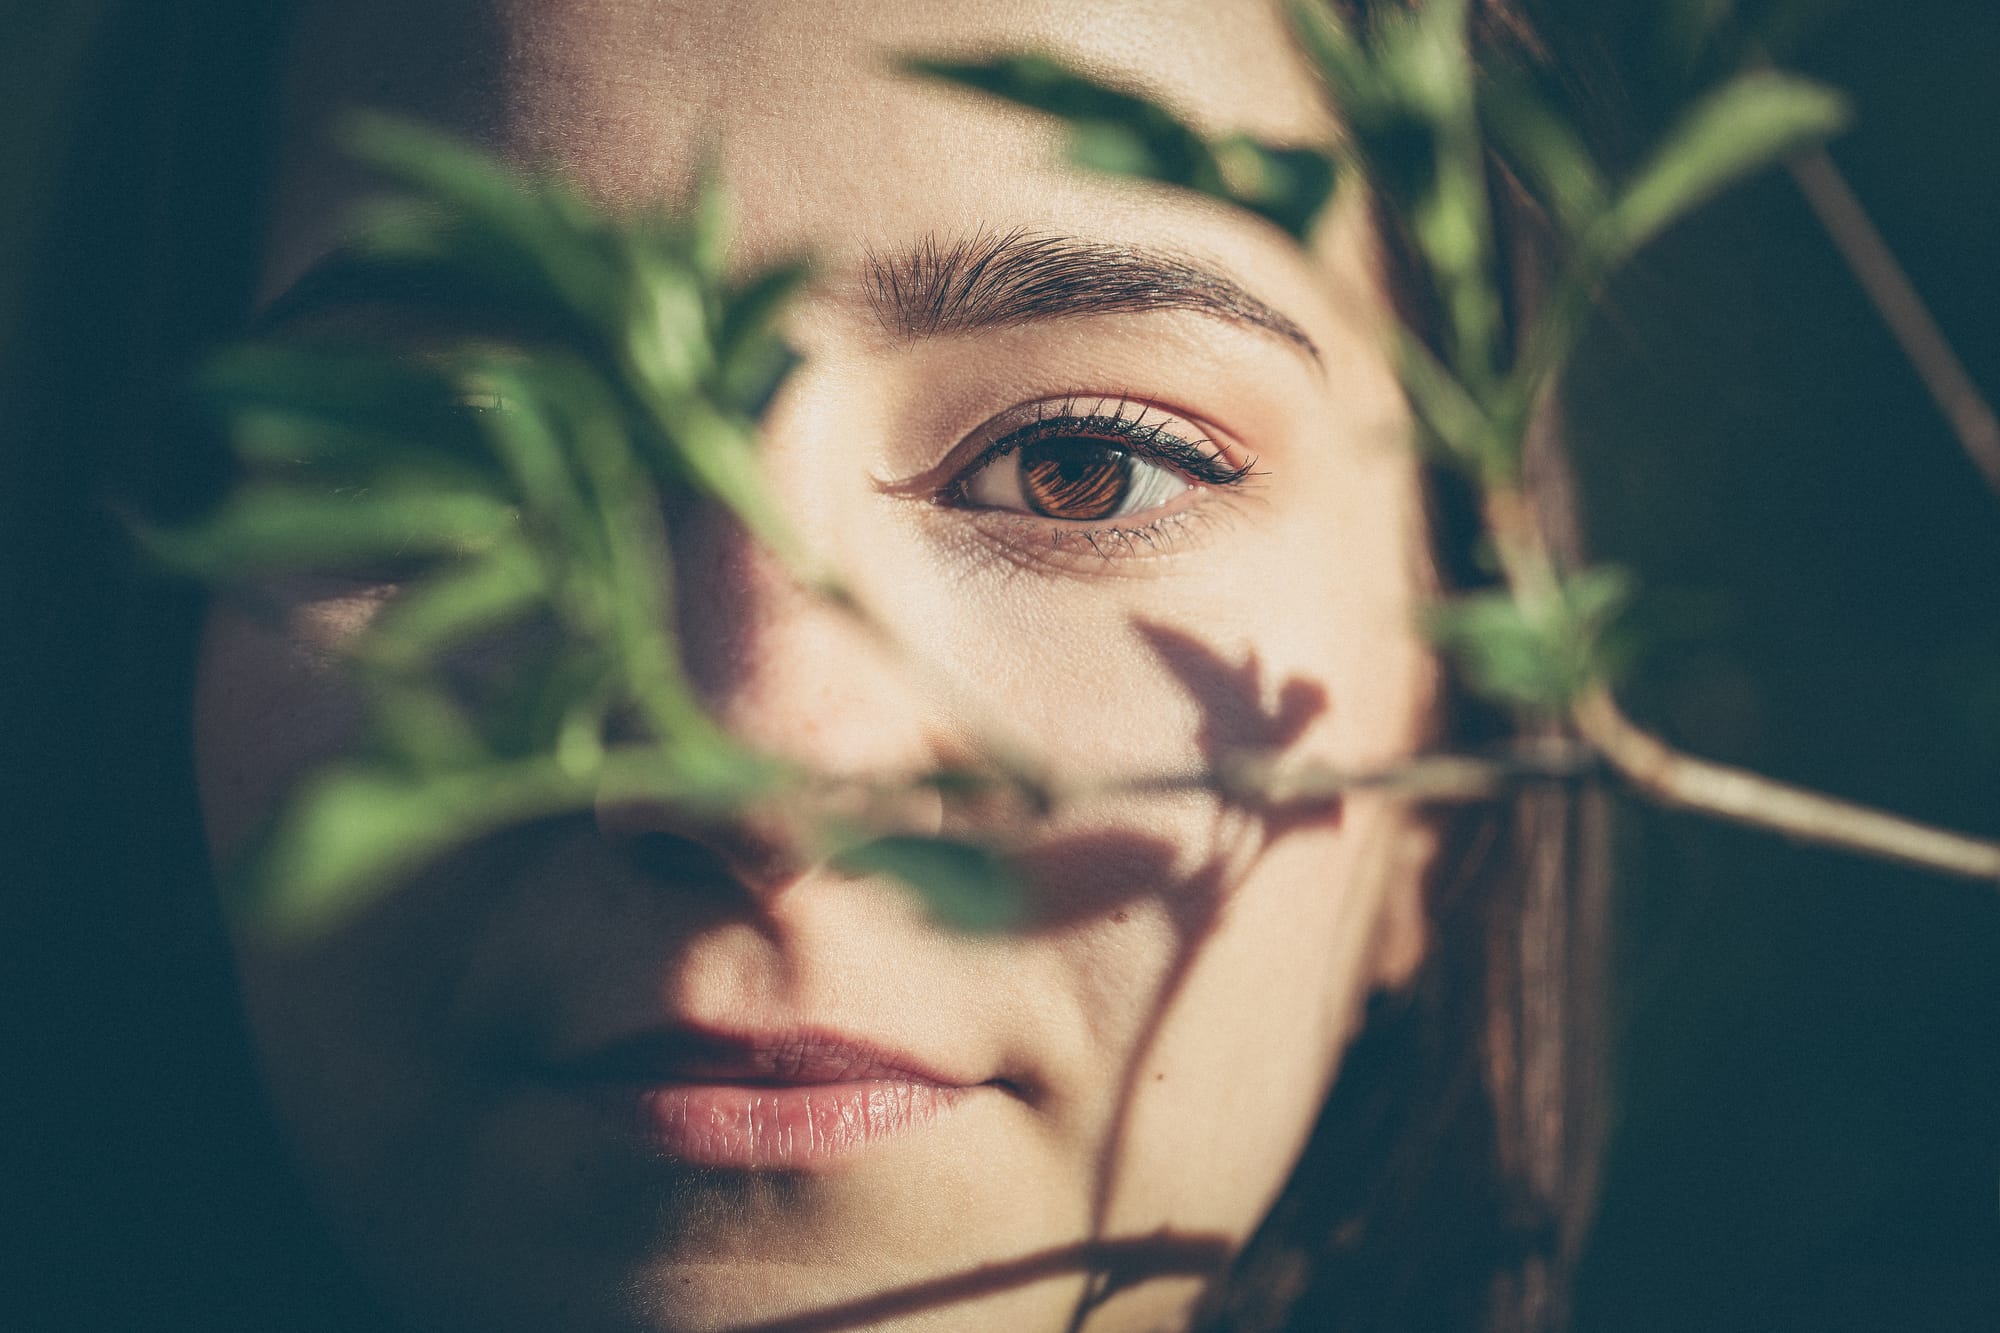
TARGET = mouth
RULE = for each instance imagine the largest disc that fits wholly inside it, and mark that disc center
(795, 1100)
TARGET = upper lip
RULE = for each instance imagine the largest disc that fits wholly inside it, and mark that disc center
(796, 1057)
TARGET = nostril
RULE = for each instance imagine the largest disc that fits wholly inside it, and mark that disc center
(739, 855)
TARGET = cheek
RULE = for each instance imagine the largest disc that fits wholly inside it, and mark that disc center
(1256, 1033)
(1200, 1026)
(270, 703)
(1276, 645)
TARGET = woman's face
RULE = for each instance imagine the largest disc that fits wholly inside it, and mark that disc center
(623, 1072)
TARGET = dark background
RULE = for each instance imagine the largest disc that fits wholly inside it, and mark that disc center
(1808, 1112)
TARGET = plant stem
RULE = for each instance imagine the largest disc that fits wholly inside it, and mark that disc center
(1441, 779)
(1682, 782)
(1895, 298)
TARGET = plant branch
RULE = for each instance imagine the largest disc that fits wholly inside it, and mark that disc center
(1680, 781)
(1258, 780)
(1895, 298)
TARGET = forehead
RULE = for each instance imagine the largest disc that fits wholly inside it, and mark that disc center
(824, 144)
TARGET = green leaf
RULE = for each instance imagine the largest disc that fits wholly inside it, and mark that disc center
(272, 529)
(536, 451)
(1541, 655)
(1333, 45)
(1288, 186)
(415, 721)
(354, 832)
(717, 456)
(457, 604)
(1453, 419)
(752, 358)
(1405, 89)
(1750, 123)
(474, 217)
(701, 769)
(1123, 133)
(536, 699)
(444, 169)
(344, 409)
(709, 217)
(964, 885)
(1546, 151)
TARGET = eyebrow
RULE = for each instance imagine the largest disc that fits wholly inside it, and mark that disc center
(994, 280)
(931, 288)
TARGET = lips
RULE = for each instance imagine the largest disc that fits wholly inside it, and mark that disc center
(777, 1101)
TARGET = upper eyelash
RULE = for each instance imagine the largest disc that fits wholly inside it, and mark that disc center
(1199, 459)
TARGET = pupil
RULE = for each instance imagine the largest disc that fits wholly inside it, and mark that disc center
(1075, 479)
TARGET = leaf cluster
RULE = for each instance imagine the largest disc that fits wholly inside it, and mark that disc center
(1429, 125)
(517, 489)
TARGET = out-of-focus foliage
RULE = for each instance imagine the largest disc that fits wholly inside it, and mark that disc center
(1125, 134)
(1424, 127)
(517, 490)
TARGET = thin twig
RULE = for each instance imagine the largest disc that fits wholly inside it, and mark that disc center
(1681, 781)
(1267, 781)
(1670, 778)
(1895, 298)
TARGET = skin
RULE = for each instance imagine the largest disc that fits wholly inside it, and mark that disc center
(1153, 1044)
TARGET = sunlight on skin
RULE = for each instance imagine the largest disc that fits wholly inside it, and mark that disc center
(1147, 1055)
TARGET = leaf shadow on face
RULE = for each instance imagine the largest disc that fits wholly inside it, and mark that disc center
(1099, 875)
(1189, 869)
(1233, 718)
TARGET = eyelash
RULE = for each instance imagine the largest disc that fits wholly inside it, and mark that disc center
(1199, 459)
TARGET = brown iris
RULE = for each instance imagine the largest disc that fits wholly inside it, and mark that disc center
(1075, 479)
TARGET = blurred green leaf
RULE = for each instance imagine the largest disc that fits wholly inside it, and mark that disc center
(752, 357)
(1752, 122)
(1405, 87)
(471, 214)
(963, 885)
(702, 771)
(1450, 416)
(416, 724)
(1126, 134)
(270, 529)
(1546, 151)
(353, 832)
(1541, 655)
(457, 604)
(1331, 43)
(295, 402)
(708, 215)
(1288, 186)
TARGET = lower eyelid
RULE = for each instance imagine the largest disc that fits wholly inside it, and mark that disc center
(1031, 544)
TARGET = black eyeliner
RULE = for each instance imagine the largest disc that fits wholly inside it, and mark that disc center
(1203, 464)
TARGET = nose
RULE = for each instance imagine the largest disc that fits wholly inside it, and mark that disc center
(789, 674)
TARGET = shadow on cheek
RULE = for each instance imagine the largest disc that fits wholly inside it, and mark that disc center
(1089, 875)
(1230, 696)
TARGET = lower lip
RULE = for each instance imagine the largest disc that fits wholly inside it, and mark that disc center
(776, 1126)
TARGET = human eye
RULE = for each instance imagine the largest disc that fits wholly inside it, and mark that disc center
(1093, 467)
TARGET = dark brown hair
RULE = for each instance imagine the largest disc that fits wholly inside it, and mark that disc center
(1452, 1177)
